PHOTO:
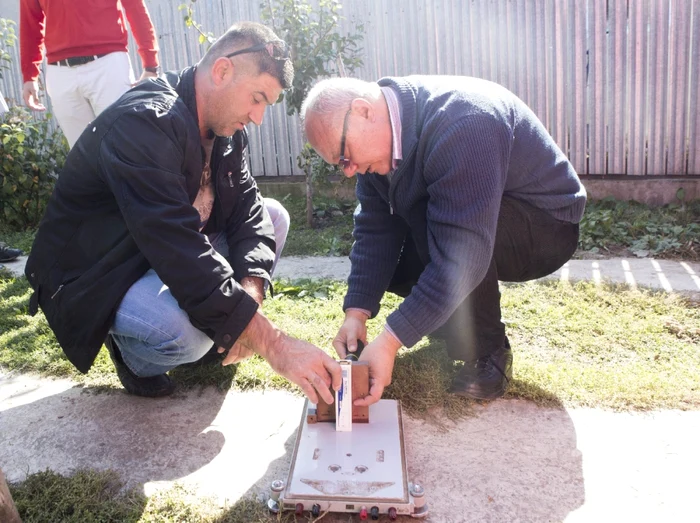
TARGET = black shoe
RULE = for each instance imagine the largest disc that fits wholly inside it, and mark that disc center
(151, 387)
(486, 378)
(7, 254)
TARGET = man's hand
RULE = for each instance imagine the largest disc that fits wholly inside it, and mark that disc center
(300, 362)
(307, 366)
(30, 93)
(144, 75)
(353, 328)
(380, 354)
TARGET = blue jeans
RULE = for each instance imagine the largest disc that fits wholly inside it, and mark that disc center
(153, 333)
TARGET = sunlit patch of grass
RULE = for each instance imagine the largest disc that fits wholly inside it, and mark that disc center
(100, 496)
(582, 344)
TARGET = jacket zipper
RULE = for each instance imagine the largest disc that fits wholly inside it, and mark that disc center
(230, 180)
(57, 291)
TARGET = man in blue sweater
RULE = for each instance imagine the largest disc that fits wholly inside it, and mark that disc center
(462, 187)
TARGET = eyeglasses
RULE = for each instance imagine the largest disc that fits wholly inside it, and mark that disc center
(344, 162)
(277, 49)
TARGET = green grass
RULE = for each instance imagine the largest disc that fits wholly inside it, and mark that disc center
(89, 496)
(332, 233)
(586, 345)
(18, 240)
(671, 231)
(576, 345)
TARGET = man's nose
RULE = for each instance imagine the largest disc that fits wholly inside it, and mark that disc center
(257, 115)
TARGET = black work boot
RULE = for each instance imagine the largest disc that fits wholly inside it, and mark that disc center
(485, 378)
(151, 387)
(7, 254)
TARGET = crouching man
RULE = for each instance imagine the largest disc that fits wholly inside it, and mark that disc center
(156, 240)
(461, 186)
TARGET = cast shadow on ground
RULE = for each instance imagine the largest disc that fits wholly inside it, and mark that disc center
(141, 439)
(510, 461)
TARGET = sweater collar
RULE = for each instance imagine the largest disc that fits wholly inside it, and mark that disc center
(407, 95)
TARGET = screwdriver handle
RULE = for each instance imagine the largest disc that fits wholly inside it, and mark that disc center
(355, 356)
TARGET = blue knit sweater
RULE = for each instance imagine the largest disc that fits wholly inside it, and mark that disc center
(466, 142)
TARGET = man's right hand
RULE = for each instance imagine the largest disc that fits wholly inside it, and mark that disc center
(314, 371)
(354, 328)
(306, 365)
(30, 93)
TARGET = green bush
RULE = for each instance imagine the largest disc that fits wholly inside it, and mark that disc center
(31, 154)
(671, 230)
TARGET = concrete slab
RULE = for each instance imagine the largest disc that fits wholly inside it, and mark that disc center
(512, 461)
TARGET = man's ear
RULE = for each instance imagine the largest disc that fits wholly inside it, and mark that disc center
(363, 108)
(221, 70)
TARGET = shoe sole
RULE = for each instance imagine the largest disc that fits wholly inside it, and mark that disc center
(483, 397)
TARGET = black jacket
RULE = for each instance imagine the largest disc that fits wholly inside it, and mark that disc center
(122, 205)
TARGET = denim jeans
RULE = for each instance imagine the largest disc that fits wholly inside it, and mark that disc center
(529, 244)
(153, 333)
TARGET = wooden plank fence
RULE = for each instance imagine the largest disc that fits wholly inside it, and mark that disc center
(614, 81)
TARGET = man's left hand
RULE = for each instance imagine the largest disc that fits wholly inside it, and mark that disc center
(380, 354)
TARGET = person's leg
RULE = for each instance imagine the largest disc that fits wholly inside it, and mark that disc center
(104, 80)
(152, 332)
(72, 111)
(280, 221)
(408, 269)
(529, 244)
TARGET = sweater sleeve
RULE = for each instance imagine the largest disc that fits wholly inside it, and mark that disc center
(32, 27)
(465, 172)
(379, 235)
(143, 31)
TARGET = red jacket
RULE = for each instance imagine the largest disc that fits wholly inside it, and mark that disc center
(69, 28)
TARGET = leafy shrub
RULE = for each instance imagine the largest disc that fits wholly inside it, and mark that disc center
(31, 154)
(671, 230)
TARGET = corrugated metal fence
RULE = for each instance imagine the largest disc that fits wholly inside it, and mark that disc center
(614, 81)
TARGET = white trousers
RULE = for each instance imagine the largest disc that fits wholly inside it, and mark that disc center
(80, 93)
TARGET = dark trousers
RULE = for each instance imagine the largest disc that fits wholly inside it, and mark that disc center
(529, 244)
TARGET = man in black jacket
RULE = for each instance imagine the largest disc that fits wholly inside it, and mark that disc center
(156, 240)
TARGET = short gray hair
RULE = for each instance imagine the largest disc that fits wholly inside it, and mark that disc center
(333, 96)
(249, 34)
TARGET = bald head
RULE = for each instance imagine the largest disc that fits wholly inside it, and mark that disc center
(327, 102)
(358, 107)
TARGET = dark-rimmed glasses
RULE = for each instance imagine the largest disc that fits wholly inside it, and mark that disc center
(344, 162)
(277, 49)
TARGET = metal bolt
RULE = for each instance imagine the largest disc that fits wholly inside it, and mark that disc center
(417, 491)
